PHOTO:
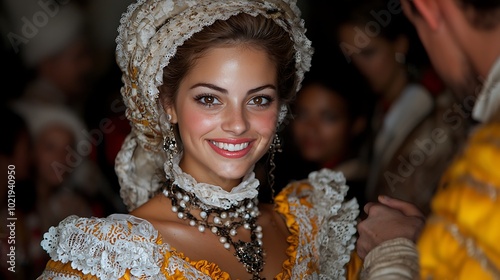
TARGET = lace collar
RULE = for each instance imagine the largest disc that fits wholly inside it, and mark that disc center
(211, 195)
(488, 101)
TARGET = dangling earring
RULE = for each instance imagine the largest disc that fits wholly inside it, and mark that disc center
(400, 58)
(275, 147)
(170, 144)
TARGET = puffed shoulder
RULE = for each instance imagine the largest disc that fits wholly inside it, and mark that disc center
(107, 247)
(325, 191)
(323, 196)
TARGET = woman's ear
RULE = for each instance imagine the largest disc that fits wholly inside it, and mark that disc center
(169, 109)
(401, 44)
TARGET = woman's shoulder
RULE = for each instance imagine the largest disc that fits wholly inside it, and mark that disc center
(316, 210)
(106, 247)
(324, 190)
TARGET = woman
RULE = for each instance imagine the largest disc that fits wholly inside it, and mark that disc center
(329, 126)
(206, 85)
(406, 162)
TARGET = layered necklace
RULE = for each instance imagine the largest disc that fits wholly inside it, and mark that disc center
(224, 223)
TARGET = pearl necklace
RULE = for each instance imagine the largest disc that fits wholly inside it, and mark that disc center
(223, 223)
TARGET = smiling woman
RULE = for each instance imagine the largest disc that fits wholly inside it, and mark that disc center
(207, 84)
(227, 100)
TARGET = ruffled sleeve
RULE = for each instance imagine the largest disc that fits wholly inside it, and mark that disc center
(103, 248)
(117, 247)
(322, 226)
(337, 219)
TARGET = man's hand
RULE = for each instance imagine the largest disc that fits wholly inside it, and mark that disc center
(389, 219)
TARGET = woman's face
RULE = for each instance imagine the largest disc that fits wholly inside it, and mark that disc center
(52, 146)
(376, 59)
(226, 110)
(321, 126)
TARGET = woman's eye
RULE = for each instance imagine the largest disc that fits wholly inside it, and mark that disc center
(260, 101)
(208, 100)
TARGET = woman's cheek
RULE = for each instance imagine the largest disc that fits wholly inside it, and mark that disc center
(266, 123)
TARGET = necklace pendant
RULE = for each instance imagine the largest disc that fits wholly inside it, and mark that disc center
(251, 255)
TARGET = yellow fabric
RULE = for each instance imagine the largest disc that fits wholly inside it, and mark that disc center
(466, 207)
(283, 207)
(354, 267)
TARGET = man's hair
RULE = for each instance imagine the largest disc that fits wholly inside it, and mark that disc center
(484, 14)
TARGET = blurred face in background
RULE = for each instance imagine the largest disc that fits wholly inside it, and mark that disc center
(52, 145)
(377, 60)
(70, 69)
(444, 45)
(321, 127)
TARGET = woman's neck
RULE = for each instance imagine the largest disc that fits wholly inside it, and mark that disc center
(395, 89)
(211, 178)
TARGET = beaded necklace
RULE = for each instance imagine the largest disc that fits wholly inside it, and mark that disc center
(223, 223)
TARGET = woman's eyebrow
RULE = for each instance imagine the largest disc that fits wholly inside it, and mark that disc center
(210, 86)
(261, 88)
(222, 90)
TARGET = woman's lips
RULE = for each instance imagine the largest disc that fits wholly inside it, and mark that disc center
(231, 148)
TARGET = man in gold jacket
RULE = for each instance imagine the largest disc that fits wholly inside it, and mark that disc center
(461, 237)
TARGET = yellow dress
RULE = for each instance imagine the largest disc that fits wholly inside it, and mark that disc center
(462, 237)
(322, 227)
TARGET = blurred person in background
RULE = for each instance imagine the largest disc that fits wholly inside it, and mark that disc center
(329, 125)
(460, 239)
(50, 38)
(412, 142)
(55, 134)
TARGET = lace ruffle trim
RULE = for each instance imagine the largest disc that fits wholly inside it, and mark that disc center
(211, 195)
(106, 247)
(282, 206)
(337, 220)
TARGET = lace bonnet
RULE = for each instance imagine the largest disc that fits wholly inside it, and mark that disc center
(150, 32)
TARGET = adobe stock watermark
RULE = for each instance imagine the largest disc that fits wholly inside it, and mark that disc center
(456, 117)
(32, 25)
(82, 149)
(371, 29)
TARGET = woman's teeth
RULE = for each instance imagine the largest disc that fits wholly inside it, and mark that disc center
(231, 147)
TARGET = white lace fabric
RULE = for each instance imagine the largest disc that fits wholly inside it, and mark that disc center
(336, 219)
(211, 195)
(107, 247)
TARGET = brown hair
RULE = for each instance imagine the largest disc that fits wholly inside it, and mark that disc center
(258, 32)
(485, 14)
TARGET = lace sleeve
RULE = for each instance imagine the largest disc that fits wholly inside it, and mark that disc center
(336, 220)
(105, 247)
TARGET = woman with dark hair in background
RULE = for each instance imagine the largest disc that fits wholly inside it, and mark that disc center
(412, 142)
(329, 125)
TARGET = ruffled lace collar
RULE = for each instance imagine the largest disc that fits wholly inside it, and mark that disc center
(211, 195)
(488, 101)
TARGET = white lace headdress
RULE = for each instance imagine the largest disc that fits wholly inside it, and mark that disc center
(150, 32)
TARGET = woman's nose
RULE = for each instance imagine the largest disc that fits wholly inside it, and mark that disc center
(235, 120)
